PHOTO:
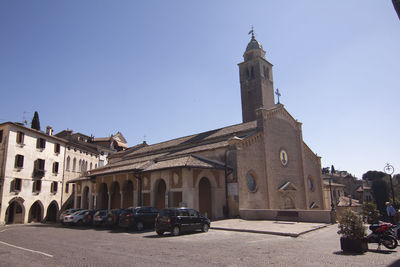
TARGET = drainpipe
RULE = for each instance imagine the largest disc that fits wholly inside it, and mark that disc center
(226, 183)
(63, 174)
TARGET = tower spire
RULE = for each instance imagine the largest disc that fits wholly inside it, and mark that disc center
(256, 81)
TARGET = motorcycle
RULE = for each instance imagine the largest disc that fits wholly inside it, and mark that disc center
(395, 231)
(382, 234)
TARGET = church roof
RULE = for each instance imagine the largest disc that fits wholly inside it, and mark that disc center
(178, 152)
(192, 143)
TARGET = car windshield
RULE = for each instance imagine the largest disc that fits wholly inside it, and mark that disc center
(80, 212)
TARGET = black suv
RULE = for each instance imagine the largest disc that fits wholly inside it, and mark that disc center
(177, 220)
(139, 217)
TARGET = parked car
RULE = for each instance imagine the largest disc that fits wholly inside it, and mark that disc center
(177, 220)
(99, 218)
(67, 212)
(88, 217)
(139, 217)
(113, 218)
(77, 218)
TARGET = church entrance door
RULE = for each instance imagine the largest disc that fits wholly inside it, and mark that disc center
(161, 189)
(205, 206)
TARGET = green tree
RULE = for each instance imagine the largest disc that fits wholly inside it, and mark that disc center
(380, 191)
(333, 169)
(35, 124)
(373, 175)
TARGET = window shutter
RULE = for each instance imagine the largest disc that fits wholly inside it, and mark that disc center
(12, 186)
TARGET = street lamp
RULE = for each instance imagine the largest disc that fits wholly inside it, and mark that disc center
(330, 189)
(390, 170)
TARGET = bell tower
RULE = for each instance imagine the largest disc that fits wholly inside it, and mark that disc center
(256, 83)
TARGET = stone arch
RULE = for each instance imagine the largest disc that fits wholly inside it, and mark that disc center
(205, 196)
(127, 190)
(85, 198)
(15, 212)
(115, 194)
(36, 212)
(52, 211)
(160, 190)
(102, 198)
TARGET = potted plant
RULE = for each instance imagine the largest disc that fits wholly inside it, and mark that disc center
(353, 232)
(370, 212)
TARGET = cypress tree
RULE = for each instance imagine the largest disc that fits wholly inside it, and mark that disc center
(35, 121)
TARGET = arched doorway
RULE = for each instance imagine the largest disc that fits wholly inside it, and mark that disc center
(205, 206)
(15, 213)
(85, 198)
(35, 212)
(128, 194)
(52, 211)
(103, 197)
(160, 191)
(115, 196)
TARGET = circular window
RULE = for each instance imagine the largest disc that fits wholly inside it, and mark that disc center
(284, 157)
(251, 182)
(310, 183)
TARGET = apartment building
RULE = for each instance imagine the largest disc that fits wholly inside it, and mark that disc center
(31, 174)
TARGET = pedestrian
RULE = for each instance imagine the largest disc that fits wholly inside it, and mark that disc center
(390, 212)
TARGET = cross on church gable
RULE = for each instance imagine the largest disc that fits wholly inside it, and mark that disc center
(278, 94)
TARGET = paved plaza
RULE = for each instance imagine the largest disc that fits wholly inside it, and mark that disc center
(54, 245)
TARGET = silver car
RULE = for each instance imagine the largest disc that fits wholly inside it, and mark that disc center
(76, 218)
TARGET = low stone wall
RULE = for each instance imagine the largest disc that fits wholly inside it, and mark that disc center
(317, 216)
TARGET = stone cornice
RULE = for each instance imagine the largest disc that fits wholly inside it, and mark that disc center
(279, 111)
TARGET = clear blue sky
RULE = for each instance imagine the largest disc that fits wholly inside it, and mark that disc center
(166, 69)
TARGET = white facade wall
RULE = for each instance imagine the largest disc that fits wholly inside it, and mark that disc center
(92, 161)
(28, 150)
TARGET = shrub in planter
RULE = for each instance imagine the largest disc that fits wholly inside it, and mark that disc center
(370, 212)
(353, 232)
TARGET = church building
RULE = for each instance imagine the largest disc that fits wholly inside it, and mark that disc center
(259, 169)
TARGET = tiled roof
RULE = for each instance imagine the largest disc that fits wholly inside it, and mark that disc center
(175, 153)
(122, 168)
(348, 202)
(185, 161)
(195, 140)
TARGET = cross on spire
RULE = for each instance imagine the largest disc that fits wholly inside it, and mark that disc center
(278, 94)
(252, 32)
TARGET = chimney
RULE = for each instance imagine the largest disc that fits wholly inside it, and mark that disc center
(49, 130)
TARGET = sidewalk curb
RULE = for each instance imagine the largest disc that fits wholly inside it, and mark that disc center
(268, 232)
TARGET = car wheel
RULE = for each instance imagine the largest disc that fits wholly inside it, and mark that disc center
(160, 233)
(80, 223)
(139, 226)
(176, 231)
(205, 228)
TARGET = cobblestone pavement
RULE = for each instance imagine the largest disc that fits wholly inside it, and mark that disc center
(53, 245)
